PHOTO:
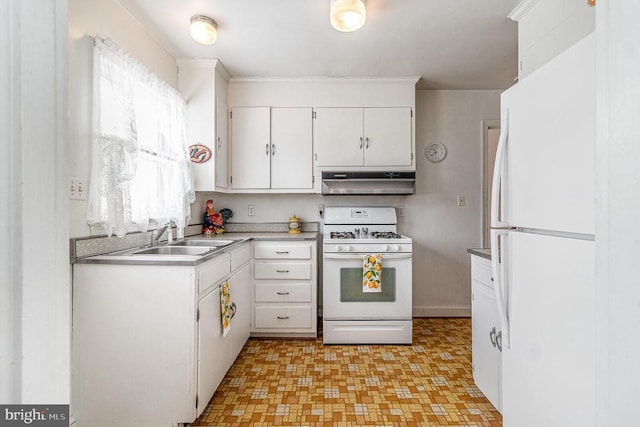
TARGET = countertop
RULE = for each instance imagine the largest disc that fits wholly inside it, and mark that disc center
(124, 257)
(481, 252)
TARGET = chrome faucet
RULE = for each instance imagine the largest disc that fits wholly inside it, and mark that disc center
(158, 232)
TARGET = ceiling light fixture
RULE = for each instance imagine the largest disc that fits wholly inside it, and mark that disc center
(203, 29)
(348, 15)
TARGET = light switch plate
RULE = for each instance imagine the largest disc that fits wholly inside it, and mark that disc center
(77, 189)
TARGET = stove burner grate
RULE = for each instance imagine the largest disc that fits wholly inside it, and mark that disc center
(342, 235)
(385, 235)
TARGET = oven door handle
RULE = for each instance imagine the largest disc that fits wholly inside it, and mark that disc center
(359, 256)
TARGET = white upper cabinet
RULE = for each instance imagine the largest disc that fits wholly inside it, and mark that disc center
(203, 83)
(339, 136)
(251, 148)
(291, 148)
(272, 149)
(387, 136)
(369, 137)
(547, 28)
(222, 144)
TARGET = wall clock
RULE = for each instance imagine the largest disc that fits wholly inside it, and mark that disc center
(435, 152)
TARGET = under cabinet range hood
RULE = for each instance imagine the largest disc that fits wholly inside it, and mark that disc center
(368, 183)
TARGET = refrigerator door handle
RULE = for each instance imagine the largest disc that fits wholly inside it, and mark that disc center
(500, 285)
(498, 175)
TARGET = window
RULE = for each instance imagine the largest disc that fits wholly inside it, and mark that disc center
(140, 168)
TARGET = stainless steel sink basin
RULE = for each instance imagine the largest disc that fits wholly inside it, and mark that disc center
(173, 250)
(208, 242)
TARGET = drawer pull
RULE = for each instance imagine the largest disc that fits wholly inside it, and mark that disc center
(282, 271)
(282, 252)
(234, 308)
(283, 293)
(283, 317)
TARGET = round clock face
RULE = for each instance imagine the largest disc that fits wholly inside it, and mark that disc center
(435, 152)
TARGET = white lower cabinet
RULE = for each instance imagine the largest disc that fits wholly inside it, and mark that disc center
(148, 348)
(214, 350)
(485, 331)
(285, 288)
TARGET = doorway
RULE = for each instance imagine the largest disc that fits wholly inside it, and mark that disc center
(490, 137)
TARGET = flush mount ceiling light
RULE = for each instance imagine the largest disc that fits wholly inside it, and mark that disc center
(203, 29)
(348, 15)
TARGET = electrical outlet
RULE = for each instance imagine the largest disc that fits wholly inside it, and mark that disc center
(320, 210)
(77, 189)
(251, 210)
(461, 200)
(400, 210)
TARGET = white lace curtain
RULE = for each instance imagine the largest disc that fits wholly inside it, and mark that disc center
(140, 167)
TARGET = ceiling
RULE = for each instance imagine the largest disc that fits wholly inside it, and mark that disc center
(451, 44)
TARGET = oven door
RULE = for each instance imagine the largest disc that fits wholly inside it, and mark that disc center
(343, 298)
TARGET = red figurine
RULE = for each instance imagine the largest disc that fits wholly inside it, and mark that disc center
(212, 220)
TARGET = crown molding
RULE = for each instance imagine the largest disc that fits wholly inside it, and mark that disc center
(521, 9)
(204, 63)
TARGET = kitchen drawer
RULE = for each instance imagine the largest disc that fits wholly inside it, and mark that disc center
(213, 271)
(283, 317)
(282, 252)
(240, 256)
(282, 270)
(279, 292)
(481, 271)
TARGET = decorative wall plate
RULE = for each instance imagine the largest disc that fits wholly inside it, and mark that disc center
(199, 153)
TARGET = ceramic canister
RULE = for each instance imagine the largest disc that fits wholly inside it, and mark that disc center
(295, 225)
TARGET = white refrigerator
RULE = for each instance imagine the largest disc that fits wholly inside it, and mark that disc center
(543, 243)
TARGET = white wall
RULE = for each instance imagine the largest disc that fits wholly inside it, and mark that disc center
(35, 320)
(441, 231)
(106, 18)
(617, 207)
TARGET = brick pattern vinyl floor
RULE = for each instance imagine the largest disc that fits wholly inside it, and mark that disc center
(304, 383)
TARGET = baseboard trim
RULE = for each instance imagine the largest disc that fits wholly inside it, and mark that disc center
(441, 311)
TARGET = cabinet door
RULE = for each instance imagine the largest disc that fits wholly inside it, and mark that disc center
(387, 134)
(197, 86)
(240, 290)
(291, 148)
(250, 147)
(214, 351)
(338, 133)
(486, 356)
(222, 144)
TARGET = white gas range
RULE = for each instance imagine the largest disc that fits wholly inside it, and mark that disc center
(356, 311)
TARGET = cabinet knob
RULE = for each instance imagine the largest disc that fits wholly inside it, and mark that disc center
(266, 149)
(273, 149)
(367, 139)
(282, 271)
(361, 140)
(283, 317)
(282, 293)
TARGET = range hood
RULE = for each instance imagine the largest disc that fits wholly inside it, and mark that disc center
(368, 183)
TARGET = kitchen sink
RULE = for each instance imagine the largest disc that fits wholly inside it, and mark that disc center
(174, 250)
(211, 243)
